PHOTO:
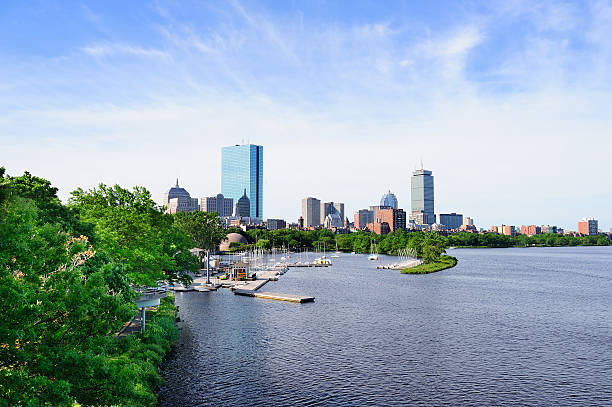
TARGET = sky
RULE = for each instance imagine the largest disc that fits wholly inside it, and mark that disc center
(509, 103)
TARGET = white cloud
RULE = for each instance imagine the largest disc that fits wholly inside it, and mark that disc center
(105, 50)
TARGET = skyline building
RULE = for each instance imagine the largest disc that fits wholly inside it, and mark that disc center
(363, 217)
(177, 199)
(243, 206)
(223, 206)
(311, 212)
(389, 199)
(395, 218)
(451, 220)
(329, 208)
(242, 172)
(588, 226)
(422, 197)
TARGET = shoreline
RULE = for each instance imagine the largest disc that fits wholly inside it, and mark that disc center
(445, 262)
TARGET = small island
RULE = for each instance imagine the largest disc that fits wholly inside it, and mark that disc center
(444, 262)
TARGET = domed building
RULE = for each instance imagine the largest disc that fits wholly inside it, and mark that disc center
(232, 238)
(389, 199)
(177, 199)
(243, 206)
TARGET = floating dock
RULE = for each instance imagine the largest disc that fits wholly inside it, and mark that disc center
(308, 265)
(274, 296)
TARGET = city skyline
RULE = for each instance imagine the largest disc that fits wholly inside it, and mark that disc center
(507, 102)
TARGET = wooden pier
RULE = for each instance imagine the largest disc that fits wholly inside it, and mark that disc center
(274, 296)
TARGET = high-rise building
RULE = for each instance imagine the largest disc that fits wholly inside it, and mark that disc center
(223, 206)
(243, 206)
(422, 197)
(389, 200)
(375, 209)
(588, 226)
(275, 224)
(530, 230)
(363, 217)
(311, 212)
(451, 220)
(467, 221)
(395, 218)
(328, 208)
(242, 169)
(177, 199)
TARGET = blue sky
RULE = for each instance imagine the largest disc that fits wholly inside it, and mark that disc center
(507, 102)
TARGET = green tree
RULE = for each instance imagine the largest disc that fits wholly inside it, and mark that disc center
(205, 229)
(135, 232)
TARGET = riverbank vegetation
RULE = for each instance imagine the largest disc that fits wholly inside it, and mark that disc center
(443, 263)
(67, 274)
(361, 242)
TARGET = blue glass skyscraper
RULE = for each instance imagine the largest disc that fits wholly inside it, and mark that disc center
(242, 168)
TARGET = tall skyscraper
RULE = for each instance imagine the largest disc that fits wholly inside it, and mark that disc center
(177, 199)
(311, 212)
(422, 191)
(242, 168)
(329, 208)
(389, 199)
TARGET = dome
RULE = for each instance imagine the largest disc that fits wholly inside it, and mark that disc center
(232, 238)
(389, 199)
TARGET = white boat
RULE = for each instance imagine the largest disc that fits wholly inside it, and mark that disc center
(373, 252)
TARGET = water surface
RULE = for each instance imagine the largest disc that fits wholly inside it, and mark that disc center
(504, 327)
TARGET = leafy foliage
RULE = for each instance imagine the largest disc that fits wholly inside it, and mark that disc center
(135, 232)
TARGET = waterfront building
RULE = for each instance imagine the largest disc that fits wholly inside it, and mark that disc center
(311, 212)
(177, 199)
(588, 226)
(242, 170)
(389, 200)
(275, 224)
(530, 230)
(451, 220)
(504, 230)
(395, 218)
(422, 197)
(223, 206)
(363, 217)
(235, 238)
(549, 229)
(243, 206)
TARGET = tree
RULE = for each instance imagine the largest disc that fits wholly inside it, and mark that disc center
(135, 232)
(205, 229)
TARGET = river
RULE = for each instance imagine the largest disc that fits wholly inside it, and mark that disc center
(509, 327)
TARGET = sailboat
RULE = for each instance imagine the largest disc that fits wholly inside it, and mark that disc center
(337, 254)
(373, 252)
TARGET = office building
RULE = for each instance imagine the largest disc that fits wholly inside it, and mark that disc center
(451, 220)
(177, 199)
(395, 218)
(223, 206)
(328, 208)
(242, 170)
(375, 209)
(467, 221)
(422, 197)
(333, 220)
(363, 217)
(243, 207)
(530, 230)
(588, 226)
(311, 212)
(275, 224)
(389, 200)
(504, 230)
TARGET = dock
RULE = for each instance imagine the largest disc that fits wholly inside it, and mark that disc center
(274, 296)
(308, 265)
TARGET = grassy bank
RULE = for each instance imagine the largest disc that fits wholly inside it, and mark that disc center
(141, 355)
(445, 262)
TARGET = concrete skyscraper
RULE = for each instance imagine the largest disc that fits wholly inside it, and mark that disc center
(311, 212)
(242, 169)
(422, 194)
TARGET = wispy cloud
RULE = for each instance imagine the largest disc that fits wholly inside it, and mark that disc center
(110, 49)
